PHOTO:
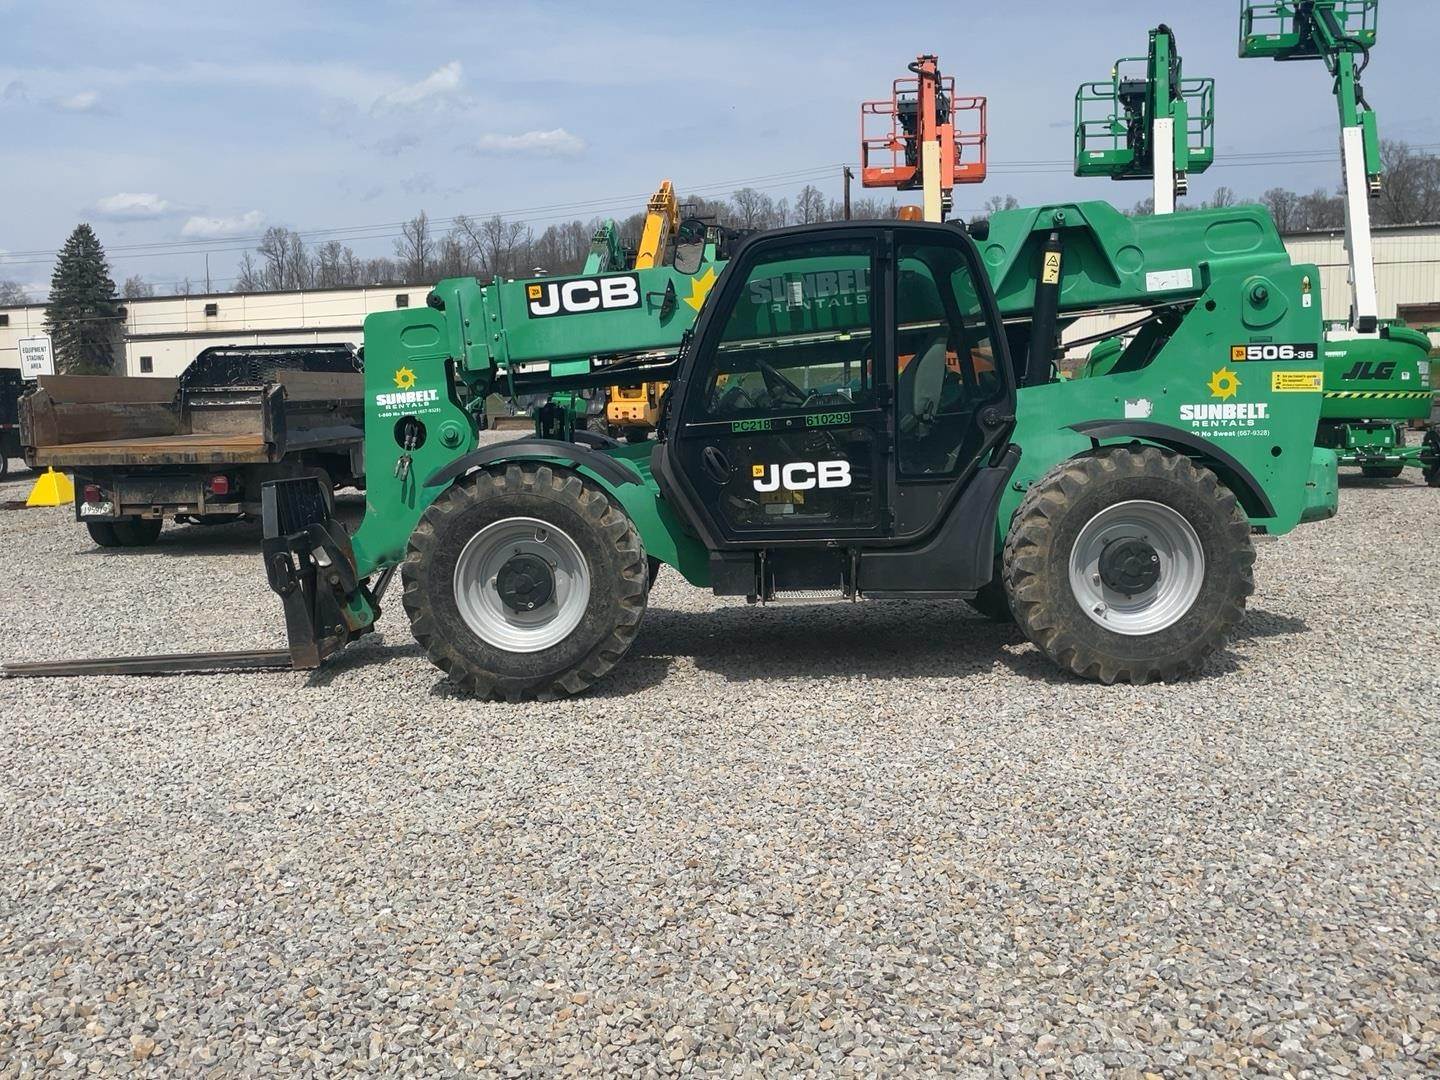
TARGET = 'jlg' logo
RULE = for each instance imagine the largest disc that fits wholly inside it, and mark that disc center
(1365, 369)
(581, 296)
(801, 475)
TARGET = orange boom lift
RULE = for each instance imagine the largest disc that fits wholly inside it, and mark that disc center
(916, 131)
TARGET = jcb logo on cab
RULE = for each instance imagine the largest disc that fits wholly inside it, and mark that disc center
(801, 475)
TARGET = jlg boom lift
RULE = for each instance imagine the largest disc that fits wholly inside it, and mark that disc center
(1377, 372)
(909, 141)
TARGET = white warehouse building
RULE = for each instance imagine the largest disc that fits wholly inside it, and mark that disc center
(164, 333)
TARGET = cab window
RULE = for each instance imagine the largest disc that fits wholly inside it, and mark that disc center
(800, 336)
(945, 361)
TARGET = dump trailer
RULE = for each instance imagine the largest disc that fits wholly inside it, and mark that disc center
(11, 387)
(198, 448)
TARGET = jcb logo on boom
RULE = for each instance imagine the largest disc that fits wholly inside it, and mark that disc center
(801, 475)
(582, 296)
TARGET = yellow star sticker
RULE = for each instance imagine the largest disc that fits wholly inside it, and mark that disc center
(404, 378)
(1224, 384)
(700, 288)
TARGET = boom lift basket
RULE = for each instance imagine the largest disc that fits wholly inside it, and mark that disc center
(1113, 124)
(890, 136)
(1273, 29)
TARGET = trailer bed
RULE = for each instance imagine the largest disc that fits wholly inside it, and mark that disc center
(199, 449)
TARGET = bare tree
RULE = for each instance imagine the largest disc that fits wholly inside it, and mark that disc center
(1283, 205)
(286, 262)
(415, 250)
(1320, 210)
(1410, 192)
(249, 277)
(12, 292)
(809, 205)
(136, 288)
(1221, 198)
(753, 209)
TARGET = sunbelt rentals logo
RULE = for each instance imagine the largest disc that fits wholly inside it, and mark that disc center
(405, 393)
(1222, 414)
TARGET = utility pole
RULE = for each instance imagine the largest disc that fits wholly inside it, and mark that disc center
(847, 174)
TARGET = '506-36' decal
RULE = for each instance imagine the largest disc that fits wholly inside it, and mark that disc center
(1240, 353)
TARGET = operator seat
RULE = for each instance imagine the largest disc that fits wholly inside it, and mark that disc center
(919, 387)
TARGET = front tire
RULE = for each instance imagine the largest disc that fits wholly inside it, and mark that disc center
(486, 609)
(1129, 565)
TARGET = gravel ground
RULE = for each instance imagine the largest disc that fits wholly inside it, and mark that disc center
(835, 840)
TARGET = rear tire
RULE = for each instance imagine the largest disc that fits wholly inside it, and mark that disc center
(1157, 503)
(103, 533)
(593, 603)
(137, 532)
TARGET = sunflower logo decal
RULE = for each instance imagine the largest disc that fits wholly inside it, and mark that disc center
(1224, 384)
(404, 379)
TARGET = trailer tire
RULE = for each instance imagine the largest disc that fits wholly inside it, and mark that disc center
(1188, 562)
(103, 533)
(590, 602)
(137, 532)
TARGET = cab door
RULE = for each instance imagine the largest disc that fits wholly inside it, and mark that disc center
(784, 429)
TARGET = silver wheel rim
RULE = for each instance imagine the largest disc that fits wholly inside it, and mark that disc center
(489, 617)
(1181, 566)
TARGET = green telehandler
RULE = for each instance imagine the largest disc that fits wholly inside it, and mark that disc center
(863, 411)
(859, 411)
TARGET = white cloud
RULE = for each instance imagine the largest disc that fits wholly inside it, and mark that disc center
(132, 206)
(555, 143)
(441, 84)
(83, 102)
(209, 228)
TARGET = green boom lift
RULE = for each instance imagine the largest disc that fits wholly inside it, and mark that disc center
(1147, 122)
(1377, 372)
(861, 411)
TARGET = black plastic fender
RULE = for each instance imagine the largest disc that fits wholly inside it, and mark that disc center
(1247, 489)
(602, 465)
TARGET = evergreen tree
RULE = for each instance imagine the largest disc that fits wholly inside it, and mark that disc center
(85, 320)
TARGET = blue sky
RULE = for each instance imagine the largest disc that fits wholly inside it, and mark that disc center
(195, 126)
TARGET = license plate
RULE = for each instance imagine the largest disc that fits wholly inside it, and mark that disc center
(99, 509)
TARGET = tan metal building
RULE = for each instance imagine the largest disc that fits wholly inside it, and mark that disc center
(164, 333)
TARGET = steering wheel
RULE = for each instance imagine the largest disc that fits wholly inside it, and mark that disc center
(777, 383)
